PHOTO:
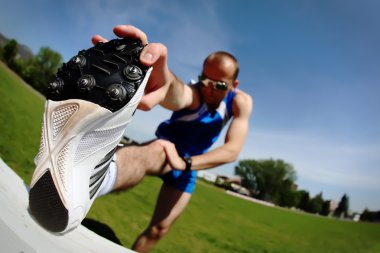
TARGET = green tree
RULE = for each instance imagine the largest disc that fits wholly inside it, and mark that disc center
(10, 52)
(343, 206)
(272, 177)
(326, 207)
(41, 69)
(316, 204)
(289, 198)
(371, 216)
(304, 197)
(1, 53)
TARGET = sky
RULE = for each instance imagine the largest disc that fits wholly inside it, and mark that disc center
(312, 68)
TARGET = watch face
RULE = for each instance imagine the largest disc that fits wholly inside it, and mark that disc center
(188, 162)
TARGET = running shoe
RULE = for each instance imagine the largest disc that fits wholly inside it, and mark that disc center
(88, 107)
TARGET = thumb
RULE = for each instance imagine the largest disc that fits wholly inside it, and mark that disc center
(97, 38)
(150, 100)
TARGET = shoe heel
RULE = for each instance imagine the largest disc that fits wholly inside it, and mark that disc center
(46, 205)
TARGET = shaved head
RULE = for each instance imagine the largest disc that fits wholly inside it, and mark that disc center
(223, 58)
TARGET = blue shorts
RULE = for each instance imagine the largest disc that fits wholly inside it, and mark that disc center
(181, 180)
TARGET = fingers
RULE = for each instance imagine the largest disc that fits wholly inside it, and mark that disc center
(97, 38)
(172, 156)
(124, 31)
(151, 99)
(155, 55)
(152, 52)
(130, 31)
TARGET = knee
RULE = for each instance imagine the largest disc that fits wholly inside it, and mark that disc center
(157, 151)
(157, 148)
(157, 232)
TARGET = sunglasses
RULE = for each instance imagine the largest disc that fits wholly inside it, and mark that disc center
(217, 85)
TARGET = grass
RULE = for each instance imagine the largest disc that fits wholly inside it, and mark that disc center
(20, 123)
(213, 222)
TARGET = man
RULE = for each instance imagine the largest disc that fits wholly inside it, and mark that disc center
(86, 114)
(200, 112)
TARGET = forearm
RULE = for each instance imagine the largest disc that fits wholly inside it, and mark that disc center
(178, 94)
(234, 140)
(214, 158)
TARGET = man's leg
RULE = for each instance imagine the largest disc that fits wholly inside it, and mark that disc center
(170, 204)
(134, 162)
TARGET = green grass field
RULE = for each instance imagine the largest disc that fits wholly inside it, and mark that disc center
(213, 222)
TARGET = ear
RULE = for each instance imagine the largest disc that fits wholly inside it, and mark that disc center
(235, 84)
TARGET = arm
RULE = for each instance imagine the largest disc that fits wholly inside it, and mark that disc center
(235, 137)
(178, 95)
(234, 141)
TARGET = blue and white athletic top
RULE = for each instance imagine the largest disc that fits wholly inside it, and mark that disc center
(194, 131)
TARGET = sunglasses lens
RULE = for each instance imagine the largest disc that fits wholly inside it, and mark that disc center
(221, 86)
(206, 82)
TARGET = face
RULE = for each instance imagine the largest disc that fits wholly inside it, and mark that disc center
(216, 80)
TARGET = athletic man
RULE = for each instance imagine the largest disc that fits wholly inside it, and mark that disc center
(88, 106)
(201, 110)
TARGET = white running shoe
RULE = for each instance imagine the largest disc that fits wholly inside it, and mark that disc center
(88, 106)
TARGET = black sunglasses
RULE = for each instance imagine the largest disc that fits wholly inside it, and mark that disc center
(218, 85)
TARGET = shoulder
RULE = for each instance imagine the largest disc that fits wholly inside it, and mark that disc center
(196, 99)
(243, 102)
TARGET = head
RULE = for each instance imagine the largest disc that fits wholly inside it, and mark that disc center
(219, 75)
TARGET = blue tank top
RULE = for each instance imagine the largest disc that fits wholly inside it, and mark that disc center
(194, 131)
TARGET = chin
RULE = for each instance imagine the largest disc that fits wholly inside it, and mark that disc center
(213, 107)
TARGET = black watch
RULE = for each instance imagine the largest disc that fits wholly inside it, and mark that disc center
(187, 159)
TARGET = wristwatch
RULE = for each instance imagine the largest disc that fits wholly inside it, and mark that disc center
(188, 161)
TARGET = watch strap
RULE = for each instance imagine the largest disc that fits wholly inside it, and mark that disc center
(188, 161)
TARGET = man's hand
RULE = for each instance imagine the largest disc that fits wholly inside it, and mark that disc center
(172, 157)
(154, 54)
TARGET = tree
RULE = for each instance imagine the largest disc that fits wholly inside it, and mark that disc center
(343, 206)
(1, 52)
(10, 52)
(316, 204)
(304, 200)
(41, 69)
(272, 177)
(289, 198)
(371, 216)
(326, 207)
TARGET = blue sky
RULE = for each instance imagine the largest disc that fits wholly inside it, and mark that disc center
(312, 68)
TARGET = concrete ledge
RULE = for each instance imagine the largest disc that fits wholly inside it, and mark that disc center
(20, 233)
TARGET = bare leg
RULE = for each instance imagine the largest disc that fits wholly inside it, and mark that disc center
(170, 204)
(134, 162)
